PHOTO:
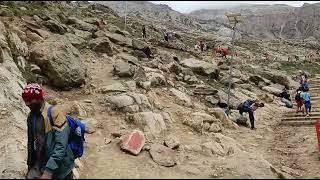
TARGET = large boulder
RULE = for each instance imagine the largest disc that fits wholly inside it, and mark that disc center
(156, 79)
(222, 116)
(223, 98)
(83, 34)
(272, 90)
(201, 122)
(81, 25)
(151, 123)
(120, 101)
(276, 77)
(202, 67)
(204, 90)
(59, 61)
(162, 155)
(13, 114)
(225, 81)
(181, 97)
(119, 39)
(256, 79)
(55, 26)
(266, 97)
(75, 40)
(124, 69)
(139, 45)
(18, 47)
(130, 102)
(102, 45)
(115, 38)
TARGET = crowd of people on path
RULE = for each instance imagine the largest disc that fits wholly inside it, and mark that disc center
(302, 99)
(302, 96)
(201, 46)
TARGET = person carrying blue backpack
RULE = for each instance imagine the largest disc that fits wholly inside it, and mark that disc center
(249, 106)
(54, 139)
(306, 101)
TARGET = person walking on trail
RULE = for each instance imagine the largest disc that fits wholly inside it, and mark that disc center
(166, 35)
(49, 156)
(201, 46)
(285, 98)
(249, 106)
(307, 101)
(144, 35)
(101, 24)
(299, 100)
(303, 77)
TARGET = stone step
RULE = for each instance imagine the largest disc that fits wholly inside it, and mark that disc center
(298, 123)
(300, 118)
(314, 110)
(314, 86)
(317, 82)
(294, 114)
(313, 105)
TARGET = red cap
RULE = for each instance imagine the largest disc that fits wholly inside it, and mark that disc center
(32, 93)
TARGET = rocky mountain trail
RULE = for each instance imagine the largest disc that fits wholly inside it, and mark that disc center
(160, 117)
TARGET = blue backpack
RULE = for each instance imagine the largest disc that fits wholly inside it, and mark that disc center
(305, 86)
(76, 139)
(247, 104)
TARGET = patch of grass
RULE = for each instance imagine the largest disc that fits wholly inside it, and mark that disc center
(291, 68)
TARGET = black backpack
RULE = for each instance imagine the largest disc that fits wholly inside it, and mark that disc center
(298, 97)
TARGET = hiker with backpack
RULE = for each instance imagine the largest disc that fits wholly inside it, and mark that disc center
(54, 139)
(285, 98)
(250, 106)
(306, 101)
(299, 100)
(144, 35)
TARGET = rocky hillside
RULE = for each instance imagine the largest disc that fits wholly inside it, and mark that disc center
(153, 13)
(175, 100)
(272, 21)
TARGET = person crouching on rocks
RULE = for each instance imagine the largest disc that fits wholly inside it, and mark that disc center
(249, 106)
(285, 98)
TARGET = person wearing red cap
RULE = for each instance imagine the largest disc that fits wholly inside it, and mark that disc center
(49, 156)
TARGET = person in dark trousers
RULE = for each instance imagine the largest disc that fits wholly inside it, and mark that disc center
(201, 46)
(49, 156)
(166, 36)
(307, 101)
(285, 98)
(249, 106)
(144, 35)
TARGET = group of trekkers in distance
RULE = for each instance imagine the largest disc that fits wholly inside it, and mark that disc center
(302, 96)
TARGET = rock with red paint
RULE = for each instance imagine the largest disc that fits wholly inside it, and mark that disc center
(133, 142)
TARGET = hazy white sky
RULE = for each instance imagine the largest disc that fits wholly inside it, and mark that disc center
(188, 6)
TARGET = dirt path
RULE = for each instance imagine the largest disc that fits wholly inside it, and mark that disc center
(292, 147)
